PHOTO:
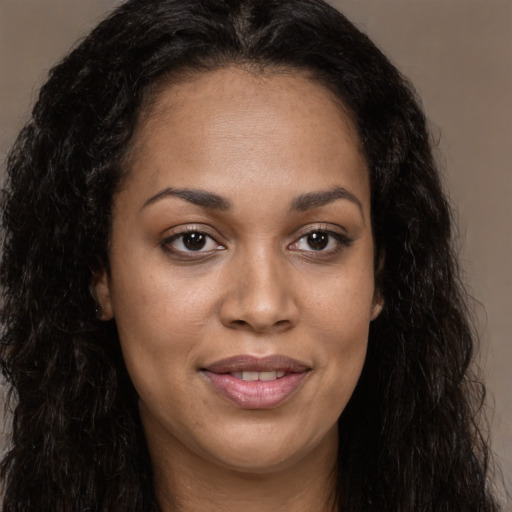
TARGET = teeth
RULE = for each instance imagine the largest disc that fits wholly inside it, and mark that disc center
(250, 375)
(264, 376)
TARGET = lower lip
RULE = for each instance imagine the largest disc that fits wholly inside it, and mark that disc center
(255, 394)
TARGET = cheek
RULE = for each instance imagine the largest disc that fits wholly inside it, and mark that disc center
(345, 351)
(159, 320)
(153, 299)
(340, 305)
(339, 319)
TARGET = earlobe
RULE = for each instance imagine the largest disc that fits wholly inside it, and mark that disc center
(378, 299)
(101, 288)
(377, 306)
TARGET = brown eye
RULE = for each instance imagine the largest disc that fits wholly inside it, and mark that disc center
(321, 241)
(190, 242)
(194, 241)
(318, 241)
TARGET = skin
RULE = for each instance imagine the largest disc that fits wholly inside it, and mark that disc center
(257, 287)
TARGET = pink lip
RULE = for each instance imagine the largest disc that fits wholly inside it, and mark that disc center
(256, 394)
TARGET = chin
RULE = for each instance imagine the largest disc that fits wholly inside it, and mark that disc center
(260, 461)
(263, 451)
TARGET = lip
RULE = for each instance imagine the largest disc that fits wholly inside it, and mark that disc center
(256, 394)
(257, 364)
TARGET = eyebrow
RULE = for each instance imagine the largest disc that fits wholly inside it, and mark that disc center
(213, 201)
(198, 197)
(321, 198)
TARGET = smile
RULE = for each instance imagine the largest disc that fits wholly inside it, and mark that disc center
(252, 376)
(256, 383)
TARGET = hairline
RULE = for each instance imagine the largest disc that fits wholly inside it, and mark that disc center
(188, 72)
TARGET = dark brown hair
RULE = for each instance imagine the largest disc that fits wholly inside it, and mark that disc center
(409, 438)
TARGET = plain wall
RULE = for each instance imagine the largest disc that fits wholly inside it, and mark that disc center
(458, 53)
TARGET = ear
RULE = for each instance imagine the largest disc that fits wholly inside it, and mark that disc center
(378, 299)
(101, 287)
(377, 305)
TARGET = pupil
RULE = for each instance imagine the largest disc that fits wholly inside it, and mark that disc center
(194, 241)
(318, 241)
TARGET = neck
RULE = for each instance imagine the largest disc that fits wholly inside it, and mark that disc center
(186, 483)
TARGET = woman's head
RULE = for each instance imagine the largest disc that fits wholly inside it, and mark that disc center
(206, 281)
(88, 110)
(112, 98)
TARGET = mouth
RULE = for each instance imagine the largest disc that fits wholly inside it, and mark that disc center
(263, 376)
(256, 383)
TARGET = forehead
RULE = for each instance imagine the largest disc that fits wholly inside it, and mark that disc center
(234, 125)
(228, 95)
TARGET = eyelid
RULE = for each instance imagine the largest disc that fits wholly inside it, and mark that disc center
(322, 226)
(335, 231)
(183, 229)
(174, 233)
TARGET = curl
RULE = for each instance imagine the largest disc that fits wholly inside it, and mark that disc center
(409, 437)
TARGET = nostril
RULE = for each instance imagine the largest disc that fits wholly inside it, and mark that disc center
(278, 326)
(258, 310)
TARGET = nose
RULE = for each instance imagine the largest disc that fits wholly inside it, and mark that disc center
(260, 295)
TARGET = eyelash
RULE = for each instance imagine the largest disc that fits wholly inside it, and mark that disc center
(166, 244)
(341, 240)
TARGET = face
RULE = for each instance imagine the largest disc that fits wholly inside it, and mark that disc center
(241, 269)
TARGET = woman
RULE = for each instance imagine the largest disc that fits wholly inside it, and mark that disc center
(228, 276)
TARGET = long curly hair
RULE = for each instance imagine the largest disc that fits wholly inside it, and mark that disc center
(409, 437)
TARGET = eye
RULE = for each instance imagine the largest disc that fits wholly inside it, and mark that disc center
(190, 242)
(322, 241)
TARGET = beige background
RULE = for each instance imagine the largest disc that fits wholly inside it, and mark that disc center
(458, 53)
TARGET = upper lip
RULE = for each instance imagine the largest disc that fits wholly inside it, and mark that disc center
(248, 363)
